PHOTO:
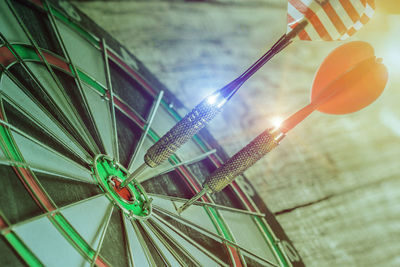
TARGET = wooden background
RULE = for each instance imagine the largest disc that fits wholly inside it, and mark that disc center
(334, 182)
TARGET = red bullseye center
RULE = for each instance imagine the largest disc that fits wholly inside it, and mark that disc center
(123, 192)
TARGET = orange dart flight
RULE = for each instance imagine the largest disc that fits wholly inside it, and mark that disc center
(349, 79)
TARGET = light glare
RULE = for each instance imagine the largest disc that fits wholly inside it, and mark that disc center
(276, 121)
(212, 99)
(216, 99)
(391, 59)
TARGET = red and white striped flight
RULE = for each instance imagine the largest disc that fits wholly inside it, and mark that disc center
(329, 20)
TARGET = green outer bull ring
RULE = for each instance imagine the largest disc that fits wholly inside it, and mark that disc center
(106, 171)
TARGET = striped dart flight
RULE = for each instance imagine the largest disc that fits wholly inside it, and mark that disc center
(329, 20)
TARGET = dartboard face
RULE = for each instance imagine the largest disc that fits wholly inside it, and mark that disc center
(75, 110)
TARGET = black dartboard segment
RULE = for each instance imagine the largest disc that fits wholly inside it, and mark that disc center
(74, 109)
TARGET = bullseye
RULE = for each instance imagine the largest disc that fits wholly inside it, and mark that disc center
(131, 199)
(124, 193)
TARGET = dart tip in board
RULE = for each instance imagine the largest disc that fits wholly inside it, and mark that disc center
(134, 175)
(189, 202)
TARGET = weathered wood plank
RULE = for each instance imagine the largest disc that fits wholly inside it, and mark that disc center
(355, 228)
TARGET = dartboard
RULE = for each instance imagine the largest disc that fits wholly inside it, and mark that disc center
(74, 123)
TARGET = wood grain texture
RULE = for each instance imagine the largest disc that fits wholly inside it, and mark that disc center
(334, 181)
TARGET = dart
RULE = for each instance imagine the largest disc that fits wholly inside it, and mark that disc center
(349, 79)
(307, 20)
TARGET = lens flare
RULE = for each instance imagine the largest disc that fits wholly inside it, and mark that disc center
(212, 99)
(216, 100)
(276, 121)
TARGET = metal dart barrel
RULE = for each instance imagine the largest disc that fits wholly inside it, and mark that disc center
(190, 125)
(244, 159)
(186, 128)
(238, 163)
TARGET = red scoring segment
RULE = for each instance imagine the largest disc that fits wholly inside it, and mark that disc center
(123, 192)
